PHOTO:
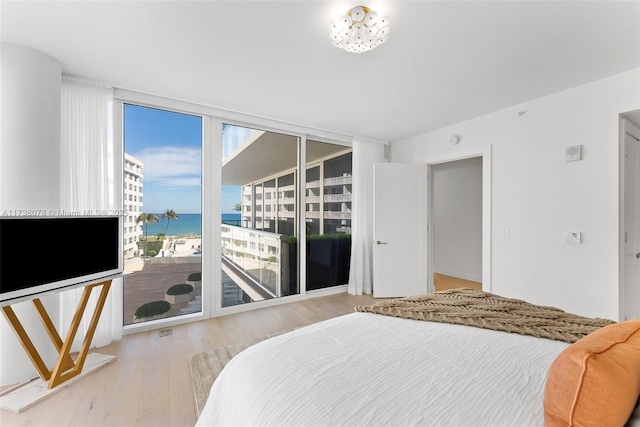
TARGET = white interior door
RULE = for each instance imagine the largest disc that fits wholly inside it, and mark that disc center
(632, 228)
(399, 230)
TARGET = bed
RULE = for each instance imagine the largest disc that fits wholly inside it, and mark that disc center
(393, 364)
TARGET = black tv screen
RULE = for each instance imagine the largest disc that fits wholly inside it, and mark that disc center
(41, 254)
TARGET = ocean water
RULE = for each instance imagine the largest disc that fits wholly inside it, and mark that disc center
(186, 224)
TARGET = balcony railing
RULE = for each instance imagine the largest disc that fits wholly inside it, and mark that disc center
(255, 253)
(337, 215)
(340, 180)
(333, 198)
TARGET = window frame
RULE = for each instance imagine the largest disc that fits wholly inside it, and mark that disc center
(212, 120)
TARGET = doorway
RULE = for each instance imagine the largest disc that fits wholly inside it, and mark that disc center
(456, 224)
(630, 216)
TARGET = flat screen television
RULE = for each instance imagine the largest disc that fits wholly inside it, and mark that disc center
(43, 254)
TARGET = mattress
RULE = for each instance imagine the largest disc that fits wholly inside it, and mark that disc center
(365, 369)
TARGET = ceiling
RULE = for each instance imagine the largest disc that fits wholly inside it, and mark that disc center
(445, 61)
(247, 163)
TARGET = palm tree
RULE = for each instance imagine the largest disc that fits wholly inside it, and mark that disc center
(237, 207)
(146, 218)
(169, 214)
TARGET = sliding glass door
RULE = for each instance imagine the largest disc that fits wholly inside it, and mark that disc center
(285, 225)
(259, 215)
(327, 214)
(163, 228)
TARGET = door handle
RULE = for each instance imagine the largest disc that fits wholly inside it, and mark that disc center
(638, 255)
(378, 242)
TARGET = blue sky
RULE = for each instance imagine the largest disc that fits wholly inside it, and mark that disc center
(170, 147)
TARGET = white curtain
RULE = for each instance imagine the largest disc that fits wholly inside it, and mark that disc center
(365, 154)
(88, 183)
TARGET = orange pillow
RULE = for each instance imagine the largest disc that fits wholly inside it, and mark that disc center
(596, 380)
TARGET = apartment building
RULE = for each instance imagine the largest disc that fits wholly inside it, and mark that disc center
(132, 203)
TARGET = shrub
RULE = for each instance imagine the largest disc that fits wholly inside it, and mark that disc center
(180, 289)
(195, 276)
(152, 309)
(152, 252)
(312, 237)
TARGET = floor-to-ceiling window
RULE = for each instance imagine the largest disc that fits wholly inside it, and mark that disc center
(327, 214)
(259, 215)
(282, 214)
(163, 228)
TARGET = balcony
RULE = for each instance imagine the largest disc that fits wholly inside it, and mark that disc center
(340, 180)
(253, 257)
(336, 198)
(264, 264)
(337, 215)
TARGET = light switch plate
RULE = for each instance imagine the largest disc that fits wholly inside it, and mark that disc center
(572, 153)
(574, 237)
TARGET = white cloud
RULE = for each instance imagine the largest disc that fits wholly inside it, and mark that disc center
(175, 165)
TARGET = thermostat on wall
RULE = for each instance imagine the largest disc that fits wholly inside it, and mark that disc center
(572, 153)
(574, 237)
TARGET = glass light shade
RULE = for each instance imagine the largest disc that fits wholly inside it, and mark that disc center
(360, 30)
(371, 18)
(357, 13)
(383, 22)
(336, 26)
(345, 21)
(358, 27)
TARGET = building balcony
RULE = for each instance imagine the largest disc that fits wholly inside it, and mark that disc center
(336, 198)
(285, 214)
(337, 215)
(340, 180)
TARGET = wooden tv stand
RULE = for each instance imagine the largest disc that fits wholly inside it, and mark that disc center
(65, 367)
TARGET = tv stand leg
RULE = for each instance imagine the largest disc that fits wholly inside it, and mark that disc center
(65, 367)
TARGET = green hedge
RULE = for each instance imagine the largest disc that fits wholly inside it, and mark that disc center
(180, 289)
(152, 309)
(195, 276)
(312, 237)
(152, 245)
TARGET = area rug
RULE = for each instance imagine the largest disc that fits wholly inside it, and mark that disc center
(206, 366)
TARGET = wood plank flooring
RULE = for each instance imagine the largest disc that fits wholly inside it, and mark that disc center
(150, 382)
(442, 283)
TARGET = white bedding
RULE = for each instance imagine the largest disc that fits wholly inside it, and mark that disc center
(374, 370)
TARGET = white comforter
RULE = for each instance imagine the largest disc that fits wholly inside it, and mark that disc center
(366, 369)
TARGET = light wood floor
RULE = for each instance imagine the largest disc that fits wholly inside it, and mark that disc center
(442, 283)
(150, 382)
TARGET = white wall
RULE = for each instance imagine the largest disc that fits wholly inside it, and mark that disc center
(29, 179)
(539, 196)
(457, 218)
(30, 131)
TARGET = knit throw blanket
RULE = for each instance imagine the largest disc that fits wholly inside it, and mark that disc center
(485, 310)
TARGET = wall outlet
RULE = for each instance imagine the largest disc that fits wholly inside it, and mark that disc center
(574, 237)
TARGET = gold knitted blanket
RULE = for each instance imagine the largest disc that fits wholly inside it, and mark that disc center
(485, 310)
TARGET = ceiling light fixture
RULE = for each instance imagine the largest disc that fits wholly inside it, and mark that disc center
(359, 30)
